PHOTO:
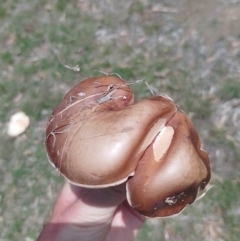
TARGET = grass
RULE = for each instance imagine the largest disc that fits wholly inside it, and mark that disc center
(35, 34)
(230, 90)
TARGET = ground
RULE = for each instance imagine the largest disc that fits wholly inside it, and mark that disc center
(187, 49)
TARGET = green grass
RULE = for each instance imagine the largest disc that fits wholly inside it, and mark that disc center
(35, 34)
(230, 90)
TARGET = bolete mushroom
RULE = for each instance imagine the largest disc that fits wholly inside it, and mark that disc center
(98, 137)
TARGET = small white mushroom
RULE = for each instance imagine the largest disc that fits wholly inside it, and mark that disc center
(18, 124)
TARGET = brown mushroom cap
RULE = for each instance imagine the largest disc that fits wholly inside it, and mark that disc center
(171, 171)
(97, 137)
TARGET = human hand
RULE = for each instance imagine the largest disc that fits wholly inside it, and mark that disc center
(92, 214)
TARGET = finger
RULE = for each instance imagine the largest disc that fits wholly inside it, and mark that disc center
(125, 224)
(95, 204)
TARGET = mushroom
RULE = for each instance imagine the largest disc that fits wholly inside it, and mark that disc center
(98, 137)
(18, 124)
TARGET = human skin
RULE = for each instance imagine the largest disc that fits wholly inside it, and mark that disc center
(92, 214)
